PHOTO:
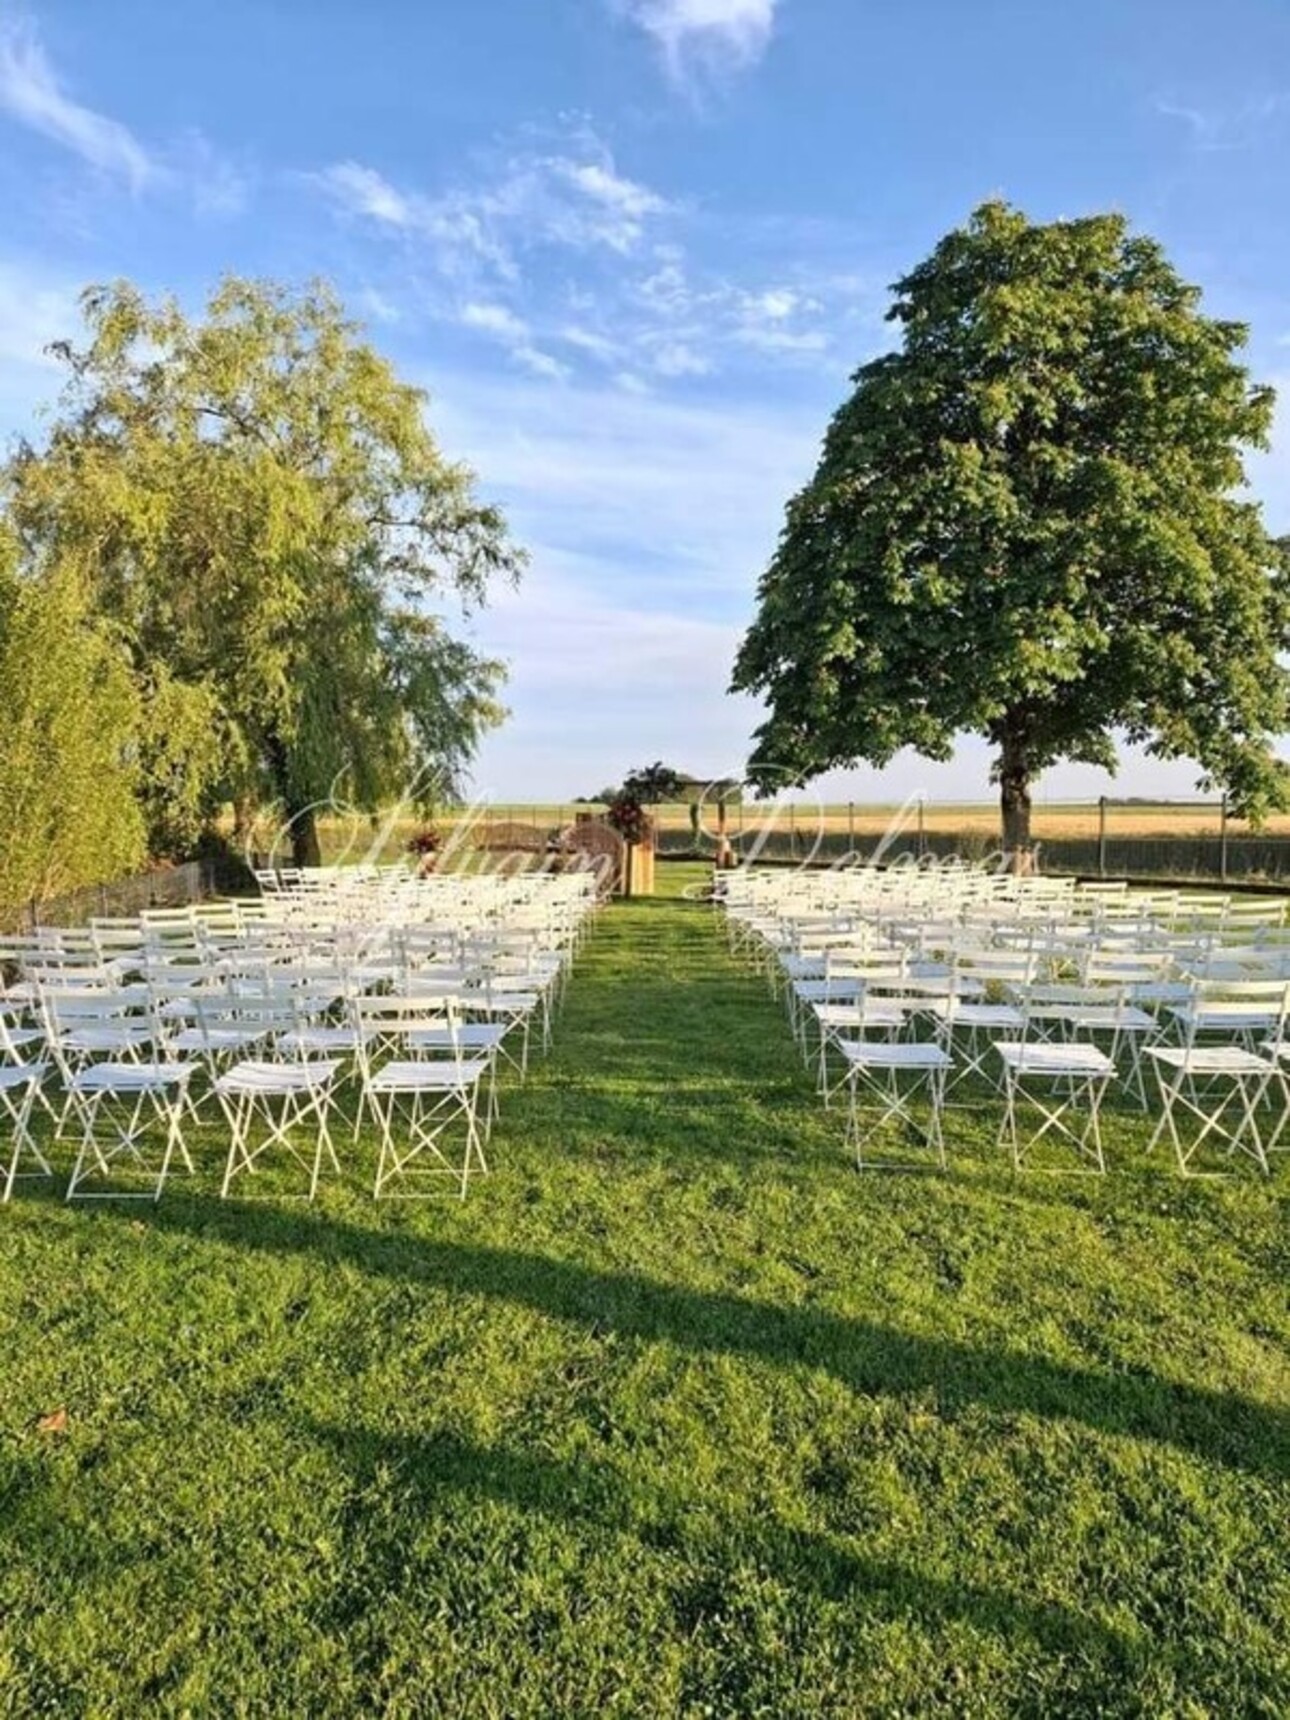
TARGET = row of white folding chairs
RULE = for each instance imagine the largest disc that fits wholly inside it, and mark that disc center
(258, 1049)
(1135, 1001)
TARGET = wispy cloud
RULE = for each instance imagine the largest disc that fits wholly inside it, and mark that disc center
(649, 522)
(362, 191)
(1215, 129)
(601, 269)
(31, 93)
(502, 324)
(706, 36)
(574, 199)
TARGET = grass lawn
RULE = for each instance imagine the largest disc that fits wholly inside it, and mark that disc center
(676, 1414)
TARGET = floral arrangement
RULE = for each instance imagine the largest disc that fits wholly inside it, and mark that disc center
(426, 841)
(629, 818)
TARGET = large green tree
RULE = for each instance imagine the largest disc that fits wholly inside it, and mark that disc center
(257, 503)
(69, 763)
(1028, 524)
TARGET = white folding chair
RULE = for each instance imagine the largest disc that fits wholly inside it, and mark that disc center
(427, 1095)
(19, 1085)
(1221, 1086)
(285, 1100)
(891, 1074)
(1054, 1081)
(119, 1106)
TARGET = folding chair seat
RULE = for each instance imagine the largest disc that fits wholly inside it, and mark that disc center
(1219, 1088)
(118, 1106)
(271, 1104)
(501, 1000)
(1053, 1080)
(891, 1074)
(1091, 1012)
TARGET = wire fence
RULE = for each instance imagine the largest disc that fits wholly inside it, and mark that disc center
(1108, 838)
(168, 887)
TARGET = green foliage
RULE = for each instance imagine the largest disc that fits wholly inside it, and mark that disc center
(68, 814)
(675, 1415)
(256, 501)
(1027, 524)
(654, 783)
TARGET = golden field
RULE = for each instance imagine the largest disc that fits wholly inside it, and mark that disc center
(359, 837)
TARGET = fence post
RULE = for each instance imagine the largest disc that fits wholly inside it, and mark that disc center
(792, 830)
(851, 826)
(922, 828)
(1222, 839)
(1101, 836)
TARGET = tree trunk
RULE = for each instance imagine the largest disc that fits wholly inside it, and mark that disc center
(243, 819)
(305, 849)
(1014, 803)
(301, 821)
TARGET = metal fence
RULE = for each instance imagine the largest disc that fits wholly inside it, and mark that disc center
(1107, 838)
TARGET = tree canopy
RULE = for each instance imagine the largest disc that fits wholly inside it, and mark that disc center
(1027, 523)
(69, 765)
(655, 782)
(256, 503)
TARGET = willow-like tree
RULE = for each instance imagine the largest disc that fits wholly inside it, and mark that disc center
(257, 503)
(1028, 524)
(69, 771)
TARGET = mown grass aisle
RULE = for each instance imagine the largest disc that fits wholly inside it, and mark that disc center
(675, 1415)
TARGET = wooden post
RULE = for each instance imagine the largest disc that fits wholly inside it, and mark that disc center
(851, 825)
(1222, 839)
(1101, 836)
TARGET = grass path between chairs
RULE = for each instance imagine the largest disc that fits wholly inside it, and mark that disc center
(675, 1415)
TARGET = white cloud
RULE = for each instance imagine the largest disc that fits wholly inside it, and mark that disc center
(675, 358)
(362, 191)
(587, 340)
(715, 35)
(683, 494)
(599, 182)
(217, 186)
(495, 319)
(572, 199)
(777, 305)
(30, 92)
(540, 363)
(513, 332)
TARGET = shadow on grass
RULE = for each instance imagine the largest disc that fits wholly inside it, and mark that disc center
(431, 1473)
(866, 1357)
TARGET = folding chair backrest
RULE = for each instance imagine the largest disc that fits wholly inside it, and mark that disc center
(1241, 1008)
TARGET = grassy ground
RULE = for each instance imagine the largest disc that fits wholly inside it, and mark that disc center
(675, 1415)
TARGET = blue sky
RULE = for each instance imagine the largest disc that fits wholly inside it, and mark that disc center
(633, 249)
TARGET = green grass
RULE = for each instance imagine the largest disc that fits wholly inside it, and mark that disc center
(676, 1414)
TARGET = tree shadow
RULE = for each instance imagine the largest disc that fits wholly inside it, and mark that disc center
(866, 1357)
(431, 1473)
